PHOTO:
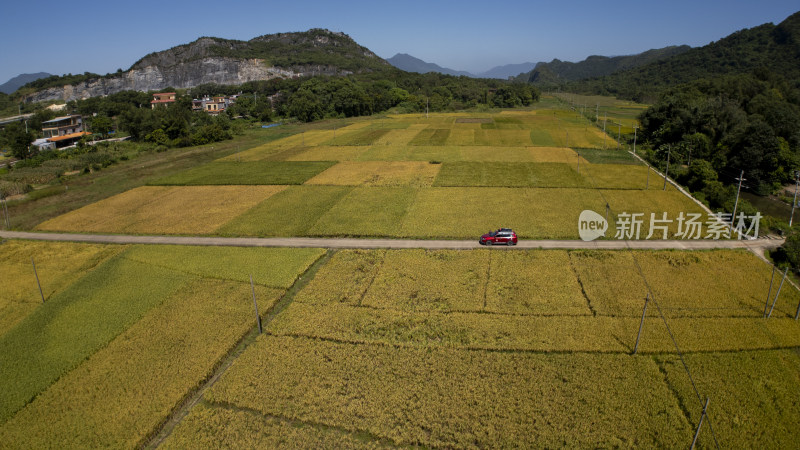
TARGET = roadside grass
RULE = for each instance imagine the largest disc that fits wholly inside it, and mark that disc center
(247, 173)
(164, 209)
(291, 212)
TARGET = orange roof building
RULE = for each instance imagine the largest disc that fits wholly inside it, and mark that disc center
(162, 98)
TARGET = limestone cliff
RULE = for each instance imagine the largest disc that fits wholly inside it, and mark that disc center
(231, 62)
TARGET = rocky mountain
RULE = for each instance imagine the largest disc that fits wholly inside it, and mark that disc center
(409, 63)
(20, 80)
(223, 61)
(557, 72)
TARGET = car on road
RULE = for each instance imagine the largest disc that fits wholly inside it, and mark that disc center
(502, 236)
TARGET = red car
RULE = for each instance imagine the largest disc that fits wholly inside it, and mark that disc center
(501, 236)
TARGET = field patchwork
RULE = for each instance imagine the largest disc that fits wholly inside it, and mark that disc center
(105, 361)
(57, 266)
(164, 209)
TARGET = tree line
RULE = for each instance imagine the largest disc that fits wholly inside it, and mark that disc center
(722, 126)
(305, 99)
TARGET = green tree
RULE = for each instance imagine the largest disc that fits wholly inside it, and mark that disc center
(305, 106)
(18, 140)
(102, 125)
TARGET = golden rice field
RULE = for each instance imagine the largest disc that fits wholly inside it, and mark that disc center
(383, 205)
(127, 336)
(406, 176)
(396, 348)
(387, 348)
(164, 209)
(378, 173)
(393, 348)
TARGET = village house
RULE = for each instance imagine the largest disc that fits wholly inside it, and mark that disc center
(63, 131)
(162, 99)
(213, 105)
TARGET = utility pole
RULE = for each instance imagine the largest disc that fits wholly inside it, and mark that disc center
(666, 172)
(605, 118)
(634, 139)
(739, 189)
(619, 134)
(794, 202)
(426, 107)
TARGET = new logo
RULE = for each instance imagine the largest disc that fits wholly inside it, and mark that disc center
(591, 225)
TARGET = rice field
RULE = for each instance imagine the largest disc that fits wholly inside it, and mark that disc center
(164, 209)
(394, 348)
(249, 173)
(57, 264)
(378, 173)
(446, 176)
(387, 348)
(108, 357)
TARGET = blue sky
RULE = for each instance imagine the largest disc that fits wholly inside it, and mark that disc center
(100, 37)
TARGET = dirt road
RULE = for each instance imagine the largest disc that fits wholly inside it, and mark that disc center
(757, 246)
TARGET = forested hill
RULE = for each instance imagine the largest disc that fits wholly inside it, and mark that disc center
(772, 47)
(557, 72)
(291, 51)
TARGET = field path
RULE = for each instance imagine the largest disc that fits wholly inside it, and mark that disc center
(757, 246)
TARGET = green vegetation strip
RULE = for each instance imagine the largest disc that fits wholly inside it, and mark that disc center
(509, 174)
(431, 136)
(291, 212)
(601, 156)
(247, 173)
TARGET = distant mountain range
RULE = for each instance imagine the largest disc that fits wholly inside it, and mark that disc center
(774, 48)
(323, 52)
(20, 80)
(409, 63)
(545, 74)
(558, 72)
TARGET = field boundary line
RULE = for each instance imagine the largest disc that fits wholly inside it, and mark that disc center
(183, 408)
